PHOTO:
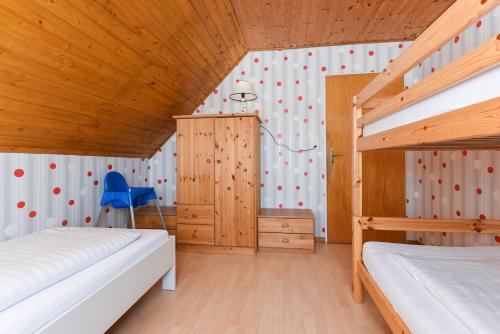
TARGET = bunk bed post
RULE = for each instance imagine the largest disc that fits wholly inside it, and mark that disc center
(357, 205)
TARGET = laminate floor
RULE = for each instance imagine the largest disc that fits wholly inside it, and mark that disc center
(272, 292)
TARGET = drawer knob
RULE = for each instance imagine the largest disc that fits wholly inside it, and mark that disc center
(285, 241)
(285, 225)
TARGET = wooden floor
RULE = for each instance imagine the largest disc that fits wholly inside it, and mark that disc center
(267, 293)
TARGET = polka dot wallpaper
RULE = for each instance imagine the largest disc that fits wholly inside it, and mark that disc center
(39, 191)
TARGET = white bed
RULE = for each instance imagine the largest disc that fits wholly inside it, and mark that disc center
(420, 307)
(92, 299)
(477, 89)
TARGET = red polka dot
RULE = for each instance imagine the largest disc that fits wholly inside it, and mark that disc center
(96, 182)
(262, 185)
(435, 153)
(216, 91)
(261, 82)
(266, 68)
(160, 198)
(280, 206)
(305, 120)
(107, 210)
(323, 68)
(278, 83)
(342, 67)
(479, 191)
(198, 111)
(88, 219)
(133, 171)
(279, 187)
(110, 167)
(71, 202)
(285, 58)
(490, 169)
(419, 161)
(456, 39)
(309, 53)
(174, 154)
(89, 173)
(21, 204)
(400, 46)
(56, 191)
(299, 98)
(64, 222)
(52, 166)
(306, 173)
(482, 216)
(478, 24)
(297, 82)
(457, 187)
(440, 181)
(300, 203)
(305, 67)
(458, 213)
(256, 60)
(297, 187)
(351, 51)
(32, 214)
(371, 53)
(158, 181)
(464, 153)
(443, 164)
(19, 172)
(285, 111)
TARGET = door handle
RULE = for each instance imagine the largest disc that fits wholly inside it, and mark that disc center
(332, 156)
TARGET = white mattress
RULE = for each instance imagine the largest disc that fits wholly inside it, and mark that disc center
(477, 89)
(35, 261)
(32, 313)
(418, 308)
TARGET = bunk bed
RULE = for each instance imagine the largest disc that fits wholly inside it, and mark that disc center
(455, 107)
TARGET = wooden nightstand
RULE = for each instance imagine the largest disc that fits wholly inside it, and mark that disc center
(147, 217)
(286, 228)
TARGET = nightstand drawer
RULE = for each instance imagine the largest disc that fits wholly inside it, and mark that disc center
(153, 221)
(195, 214)
(286, 240)
(285, 225)
(195, 234)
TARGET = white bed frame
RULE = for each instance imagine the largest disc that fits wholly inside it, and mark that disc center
(101, 309)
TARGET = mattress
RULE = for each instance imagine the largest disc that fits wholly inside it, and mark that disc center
(32, 313)
(35, 261)
(416, 305)
(477, 89)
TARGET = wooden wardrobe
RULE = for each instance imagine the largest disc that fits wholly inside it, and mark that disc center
(218, 182)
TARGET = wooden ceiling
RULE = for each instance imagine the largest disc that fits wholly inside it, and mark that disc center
(279, 24)
(104, 77)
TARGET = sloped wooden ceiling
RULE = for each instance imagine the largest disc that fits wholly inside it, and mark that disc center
(104, 77)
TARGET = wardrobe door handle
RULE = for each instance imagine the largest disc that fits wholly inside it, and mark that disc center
(284, 225)
(285, 241)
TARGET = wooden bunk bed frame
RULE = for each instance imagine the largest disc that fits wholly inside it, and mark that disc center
(474, 126)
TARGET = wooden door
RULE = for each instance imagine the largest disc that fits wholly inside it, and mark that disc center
(236, 180)
(383, 172)
(195, 161)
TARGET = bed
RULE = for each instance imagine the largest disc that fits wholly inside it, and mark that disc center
(456, 107)
(427, 299)
(84, 278)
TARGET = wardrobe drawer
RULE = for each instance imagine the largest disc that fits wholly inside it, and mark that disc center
(195, 214)
(286, 240)
(195, 234)
(286, 225)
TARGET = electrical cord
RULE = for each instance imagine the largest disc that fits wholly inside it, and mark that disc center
(286, 146)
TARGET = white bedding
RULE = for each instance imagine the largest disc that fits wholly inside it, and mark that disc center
(35, 261)
(468, 286)
(31, 314)
(416, 305)
(477, 89)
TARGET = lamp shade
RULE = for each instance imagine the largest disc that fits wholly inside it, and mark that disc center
(243, 92)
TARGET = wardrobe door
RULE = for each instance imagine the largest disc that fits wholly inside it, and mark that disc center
(195, 161)
(236, 180)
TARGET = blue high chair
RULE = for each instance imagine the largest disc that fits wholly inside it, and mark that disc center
(119, 195)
